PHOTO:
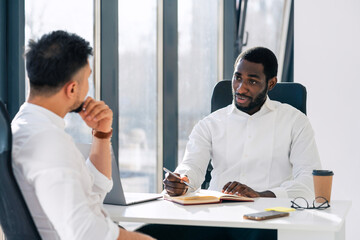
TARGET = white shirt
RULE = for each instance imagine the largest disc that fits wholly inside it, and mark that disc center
(273, 149)
(63, 192)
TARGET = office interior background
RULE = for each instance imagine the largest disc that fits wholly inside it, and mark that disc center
(156, 61)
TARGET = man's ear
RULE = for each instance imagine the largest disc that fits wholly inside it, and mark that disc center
(271, 83)
(70, 89)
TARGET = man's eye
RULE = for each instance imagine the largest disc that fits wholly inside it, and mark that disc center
(252, 82)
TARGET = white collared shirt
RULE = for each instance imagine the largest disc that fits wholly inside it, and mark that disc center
(64, 192)
(273, 149)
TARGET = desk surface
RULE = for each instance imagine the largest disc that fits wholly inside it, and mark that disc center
(231, 215)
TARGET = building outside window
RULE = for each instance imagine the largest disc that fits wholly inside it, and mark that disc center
(198, 23)
(138, 95)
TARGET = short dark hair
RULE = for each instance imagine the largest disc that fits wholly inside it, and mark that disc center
(54, 59)
(261, 55)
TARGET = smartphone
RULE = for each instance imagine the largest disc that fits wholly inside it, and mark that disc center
(265, 215)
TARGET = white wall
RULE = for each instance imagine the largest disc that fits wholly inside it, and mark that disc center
(327, 62)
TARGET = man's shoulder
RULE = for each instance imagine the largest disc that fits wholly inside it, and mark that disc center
(289, 115)
(35, 131)
(220, 114)
(25, 125)
(213, 119)
(286, 109)
(37, 147)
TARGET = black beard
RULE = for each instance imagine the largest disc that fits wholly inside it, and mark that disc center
(77, 110)
(258, 102)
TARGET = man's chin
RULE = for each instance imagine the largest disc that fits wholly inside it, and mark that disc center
(241, 107)
(77, 110)
(244, 108)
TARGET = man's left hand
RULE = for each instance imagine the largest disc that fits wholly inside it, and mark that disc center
(97, 115)
(239, 189)
(236, 188)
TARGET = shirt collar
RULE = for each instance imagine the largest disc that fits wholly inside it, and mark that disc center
(54, 118)
(266, 107)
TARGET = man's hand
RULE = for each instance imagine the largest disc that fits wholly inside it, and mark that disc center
(97, 115)
(175, 186)
(236, 188)
(239, 189)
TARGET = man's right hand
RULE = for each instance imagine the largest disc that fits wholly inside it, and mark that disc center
(175, 186)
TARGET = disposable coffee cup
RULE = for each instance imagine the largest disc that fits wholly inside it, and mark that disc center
(322, 184)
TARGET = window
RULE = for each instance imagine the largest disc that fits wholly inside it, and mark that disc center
(264, 24)
(41, 17)
(197, 53)
(138, 95)
(198, 63)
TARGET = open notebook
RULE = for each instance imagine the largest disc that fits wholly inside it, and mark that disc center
(117, 196)
(206, 196)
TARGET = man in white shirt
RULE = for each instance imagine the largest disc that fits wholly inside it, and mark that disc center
(258, 147)
(63, 191)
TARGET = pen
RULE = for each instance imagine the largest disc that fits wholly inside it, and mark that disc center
(171, 173)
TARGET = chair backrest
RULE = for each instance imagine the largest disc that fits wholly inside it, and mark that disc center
(15, 218)
(293, 94)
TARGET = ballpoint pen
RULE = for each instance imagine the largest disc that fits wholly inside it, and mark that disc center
(173, 174)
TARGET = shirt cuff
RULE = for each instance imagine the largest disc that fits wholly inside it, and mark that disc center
(100, 179)
(279, 192)
(191, 178)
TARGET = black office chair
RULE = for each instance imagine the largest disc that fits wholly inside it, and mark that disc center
(293, 94)
(15, 218)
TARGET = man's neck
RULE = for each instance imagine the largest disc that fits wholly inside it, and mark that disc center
(53, 103)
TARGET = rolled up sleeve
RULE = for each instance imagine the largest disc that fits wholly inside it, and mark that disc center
(102, 184)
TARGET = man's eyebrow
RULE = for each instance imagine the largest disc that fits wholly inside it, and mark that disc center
(250, 75)
(254, 76)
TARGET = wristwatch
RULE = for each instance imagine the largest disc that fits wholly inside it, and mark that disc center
(102, 135)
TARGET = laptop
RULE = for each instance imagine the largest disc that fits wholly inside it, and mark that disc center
(117, 196)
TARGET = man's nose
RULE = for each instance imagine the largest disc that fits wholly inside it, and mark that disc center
(241, 88)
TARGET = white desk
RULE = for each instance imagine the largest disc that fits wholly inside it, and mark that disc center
(307, 224)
